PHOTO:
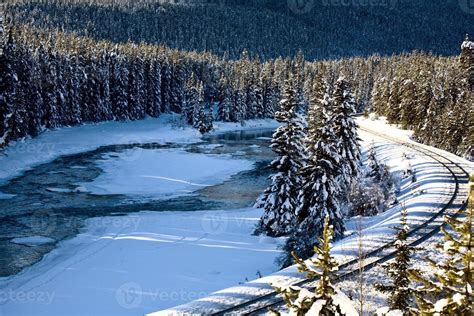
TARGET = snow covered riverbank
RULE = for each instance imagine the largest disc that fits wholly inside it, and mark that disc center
(136, 264)
(149, 261)
(175, 257)
(23, 155)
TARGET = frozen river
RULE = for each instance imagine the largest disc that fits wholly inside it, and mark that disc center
(51, 202)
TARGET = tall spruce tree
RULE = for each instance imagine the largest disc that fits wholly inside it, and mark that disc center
(280, 199)
(191, 101)
(320, 190)
(467, 61)
(225, 100)
(380, 95)
(401, 295)
(393, 108)
(119, 88)
(345, 128)
(407, 105)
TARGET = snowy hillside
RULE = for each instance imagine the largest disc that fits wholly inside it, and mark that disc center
(150, 261)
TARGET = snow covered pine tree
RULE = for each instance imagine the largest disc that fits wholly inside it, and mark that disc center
(345, 129)
(400, 293)
(327, 300)
(280, 199)
(320, 189)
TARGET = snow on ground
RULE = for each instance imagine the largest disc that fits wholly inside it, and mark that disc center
(23, 155)
(131, 265)
(432, 189)
(136, 264)
(151, 173)
(151, 261)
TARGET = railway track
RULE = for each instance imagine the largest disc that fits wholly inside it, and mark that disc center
(419, 234)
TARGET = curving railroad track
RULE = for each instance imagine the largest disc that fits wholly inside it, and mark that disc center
(417, 235)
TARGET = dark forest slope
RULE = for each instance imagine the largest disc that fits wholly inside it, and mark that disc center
(322, 29)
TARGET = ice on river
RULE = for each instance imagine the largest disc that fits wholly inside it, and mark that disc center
(162, 172)
(32, 240)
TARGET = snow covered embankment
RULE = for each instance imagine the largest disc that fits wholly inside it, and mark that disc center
(131, 265)
(433, 189)
(21, 156)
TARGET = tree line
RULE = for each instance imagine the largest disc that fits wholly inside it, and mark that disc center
(54, 79)
(434, 100)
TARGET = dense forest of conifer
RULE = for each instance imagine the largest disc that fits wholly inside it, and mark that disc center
(66, 63)
(266, 28)
(57, 78)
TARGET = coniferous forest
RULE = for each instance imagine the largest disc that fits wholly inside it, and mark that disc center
(313, 70)
(85, 80)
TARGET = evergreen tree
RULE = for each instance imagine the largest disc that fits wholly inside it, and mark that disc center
(119, 88)
(153, 81)
(466, 147)
(196, 99)
(177, 87)
(345, 129)
(467, 61)
(376, 170)
(48, 65)
(319, 194)
(9, 87)
(191, 101)
(399, 291)
(380, 96)
(393, 108)
(72, 86)
(407, 105)
(201, 112)
(225, 101)
(166, 87)
(280, 199)
(136, 85)
(326, 300)
(270, 92)
(449, 290)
